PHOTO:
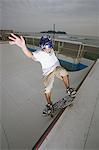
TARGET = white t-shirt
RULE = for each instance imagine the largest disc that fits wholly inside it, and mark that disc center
(48, 60)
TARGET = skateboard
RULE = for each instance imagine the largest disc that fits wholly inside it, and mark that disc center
(61, 104)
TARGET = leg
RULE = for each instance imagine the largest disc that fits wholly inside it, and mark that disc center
(48, 97)
(66, 81)
(48, 82)
(62, 74)
(49, 107)
(71, 92)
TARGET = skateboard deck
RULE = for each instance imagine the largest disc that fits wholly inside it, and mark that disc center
(61, 104)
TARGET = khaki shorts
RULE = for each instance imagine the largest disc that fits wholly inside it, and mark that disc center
(49, 79)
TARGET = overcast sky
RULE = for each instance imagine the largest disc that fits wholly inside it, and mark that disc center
(71, 16)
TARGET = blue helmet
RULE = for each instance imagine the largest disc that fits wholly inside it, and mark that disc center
(46, 42)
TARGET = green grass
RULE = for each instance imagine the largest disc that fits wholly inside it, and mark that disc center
(91, 56)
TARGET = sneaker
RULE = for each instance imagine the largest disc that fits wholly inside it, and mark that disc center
(71, 92)
(48, 108)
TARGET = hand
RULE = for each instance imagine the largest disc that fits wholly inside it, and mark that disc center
(19, 41)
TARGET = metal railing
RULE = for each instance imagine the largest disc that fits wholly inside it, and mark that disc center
(73, 49)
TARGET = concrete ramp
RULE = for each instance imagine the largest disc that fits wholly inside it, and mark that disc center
(78, 127)
(22, 99)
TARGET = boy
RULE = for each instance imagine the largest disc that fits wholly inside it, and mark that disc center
(50, 65)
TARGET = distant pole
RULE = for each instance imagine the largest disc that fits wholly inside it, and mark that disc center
(54, 34)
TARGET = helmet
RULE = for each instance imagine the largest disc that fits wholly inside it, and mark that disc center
(46, 42)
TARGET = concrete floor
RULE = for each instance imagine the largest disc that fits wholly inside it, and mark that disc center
(78, 127)
(22, 99)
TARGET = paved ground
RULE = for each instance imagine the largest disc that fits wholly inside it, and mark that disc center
(22, 99)
(78, 127)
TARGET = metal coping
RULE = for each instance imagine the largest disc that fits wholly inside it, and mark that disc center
(47, 131)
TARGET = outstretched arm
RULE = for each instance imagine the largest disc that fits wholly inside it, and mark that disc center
(19, 41)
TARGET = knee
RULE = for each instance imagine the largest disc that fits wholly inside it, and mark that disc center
(47, 90)
(65, 77)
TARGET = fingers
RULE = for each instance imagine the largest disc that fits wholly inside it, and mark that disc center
(11, 42)
(22, 38)
(14, 35)
(11, 38)
(16, 40)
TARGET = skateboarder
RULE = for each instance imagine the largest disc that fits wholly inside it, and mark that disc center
(50, 65)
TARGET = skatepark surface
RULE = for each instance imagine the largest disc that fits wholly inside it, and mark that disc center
(78, 127)
(22, 101)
